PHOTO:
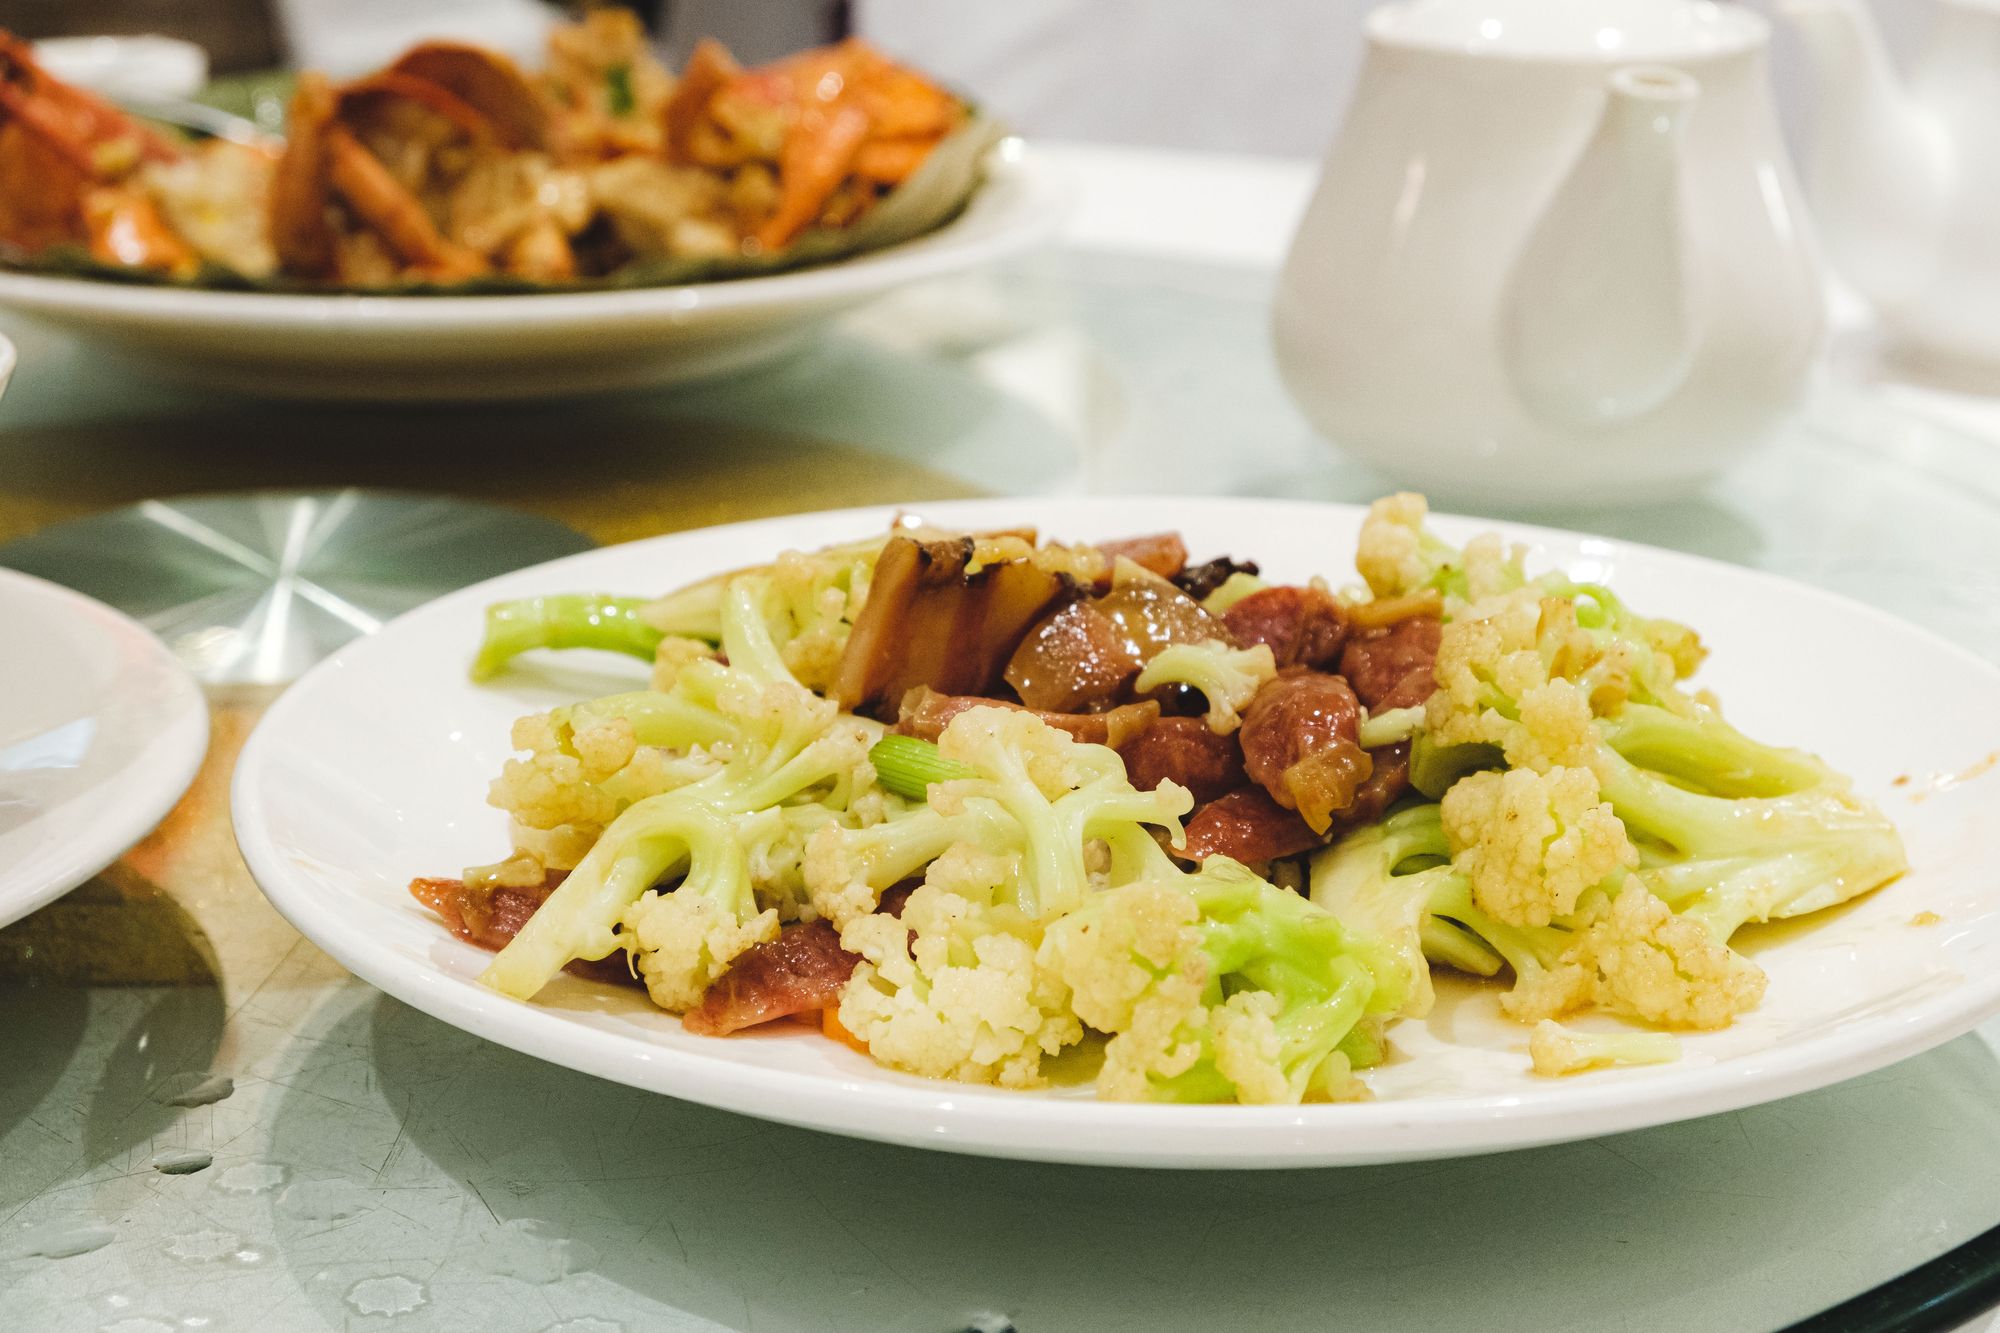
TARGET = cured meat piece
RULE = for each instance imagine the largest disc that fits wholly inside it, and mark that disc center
(1388, 780)
(1300, 743)
(925, 714)
(1247, 825)
(799, 972)
(1184, 750)
(1394, 667)
(1303, 626)
(1164, 553)
(490, 917)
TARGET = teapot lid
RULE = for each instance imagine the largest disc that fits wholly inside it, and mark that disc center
(1601, 29)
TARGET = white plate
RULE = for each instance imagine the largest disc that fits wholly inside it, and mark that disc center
(373, 769)
(101, 730)
(466, 348)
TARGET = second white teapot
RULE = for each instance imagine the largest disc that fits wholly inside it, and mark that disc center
(1906, 173)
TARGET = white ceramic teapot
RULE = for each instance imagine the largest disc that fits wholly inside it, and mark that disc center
(1556, 253)
(1906, 177)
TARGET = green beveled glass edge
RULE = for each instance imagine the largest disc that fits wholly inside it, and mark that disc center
(1936, 1297)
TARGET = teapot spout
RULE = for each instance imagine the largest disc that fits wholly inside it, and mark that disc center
(1881, 165)
(1599, 319)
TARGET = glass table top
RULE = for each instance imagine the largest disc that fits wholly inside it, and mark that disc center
(370, 1167)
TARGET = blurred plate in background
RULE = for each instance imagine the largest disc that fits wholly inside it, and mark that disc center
(463, 348)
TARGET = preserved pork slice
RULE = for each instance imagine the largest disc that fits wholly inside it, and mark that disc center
(926, 713)
(1394, 667)
(1303, 626)
(1299, 739)
(1184, 750)
(490, 917)
(933, 619)
(800, 972)
(1247, 825)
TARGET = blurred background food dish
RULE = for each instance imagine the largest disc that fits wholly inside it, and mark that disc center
(390, 348)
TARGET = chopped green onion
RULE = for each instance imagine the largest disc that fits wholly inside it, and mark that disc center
(618, 90)
(908, 766)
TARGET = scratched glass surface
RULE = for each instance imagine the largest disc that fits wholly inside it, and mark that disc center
(204, 1124)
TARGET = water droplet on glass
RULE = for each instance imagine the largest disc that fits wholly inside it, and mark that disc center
(59, 1240)
(325, 1200)
(180, 1161)
(203, 1247)
(520, 1249)
(385, 1295)
(988, 1321)
(137, 1324)
(585, 1324)
(192, 1089)
(251, 1178)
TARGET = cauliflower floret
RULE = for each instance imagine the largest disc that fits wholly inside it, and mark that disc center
(684, 941)
(673, 654)
(1216, 987)
(1492, 568)
(971, 872)
(1390, 555)
(1116, 960)
(1504, 678)
(605, 745)
(1663, 968)
(952, 989)
(1630, 954)
(1531, 843)
(556, 784)
(1050, 758)
(580, 771)
(1557, 1051)
(1228, 678)
(846, 869)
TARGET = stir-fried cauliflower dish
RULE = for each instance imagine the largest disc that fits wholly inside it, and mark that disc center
(995, 809)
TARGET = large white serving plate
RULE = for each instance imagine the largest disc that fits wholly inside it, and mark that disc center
(373, 769)
(101, 730)
(470, 348)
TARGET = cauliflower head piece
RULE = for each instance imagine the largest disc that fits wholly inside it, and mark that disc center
(1531, 843)
(1220, 986)
(953, 988)
(1227, 677)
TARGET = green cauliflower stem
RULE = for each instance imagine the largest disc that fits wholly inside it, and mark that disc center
(1380, 879)
(563, 620)
(1219, 986)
